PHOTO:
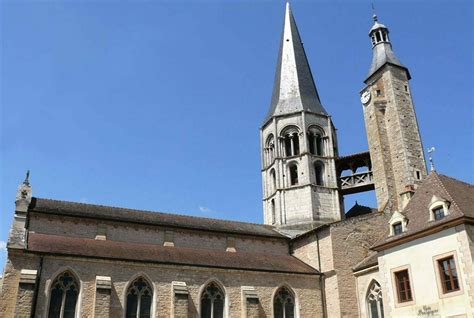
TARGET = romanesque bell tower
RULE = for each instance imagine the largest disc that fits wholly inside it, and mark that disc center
(395, 146)
(299, 146)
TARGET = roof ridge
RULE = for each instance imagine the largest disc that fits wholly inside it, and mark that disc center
(151, 211)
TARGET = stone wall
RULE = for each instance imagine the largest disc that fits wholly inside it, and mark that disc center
(341, 246)
(305, 287)
(393, 135)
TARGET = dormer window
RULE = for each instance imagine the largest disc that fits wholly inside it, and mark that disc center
(439, 208)
(397, 228)
(438, 213)
(398, 224)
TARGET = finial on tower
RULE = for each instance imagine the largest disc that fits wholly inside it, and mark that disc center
(430, 151)
(24, 194)
(374, 15)
(27, 178)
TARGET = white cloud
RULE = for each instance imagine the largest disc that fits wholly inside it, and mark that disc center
(3, 245)
(204, 209)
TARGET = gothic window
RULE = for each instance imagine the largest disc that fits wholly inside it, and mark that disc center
(318, 172)
(284, 304)
(374, 301)
(293, 174)
(64, 294)
(139, 296)
(212, 302)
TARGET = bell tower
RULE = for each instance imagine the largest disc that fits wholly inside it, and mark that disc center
(299, 145)
(396, 151)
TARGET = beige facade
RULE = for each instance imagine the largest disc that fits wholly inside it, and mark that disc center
(420, 258)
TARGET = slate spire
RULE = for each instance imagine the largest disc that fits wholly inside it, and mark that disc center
(382, 49)
(294, 89)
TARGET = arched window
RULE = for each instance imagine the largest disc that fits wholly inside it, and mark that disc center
(64, 293)
(273, 180)
(293, 174)
(212, 302)
(291, 141)
(315, 141)
(374, 301)
(139, 296)
(319, 173)
(284, 304)
(269, 149)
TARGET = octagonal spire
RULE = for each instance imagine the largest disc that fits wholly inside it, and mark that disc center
(294, 89)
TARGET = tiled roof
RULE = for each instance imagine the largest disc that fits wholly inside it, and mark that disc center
(358, 209)
(459, 193)
(116, 250)
(147, 217)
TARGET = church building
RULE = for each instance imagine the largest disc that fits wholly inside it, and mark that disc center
(411, 256)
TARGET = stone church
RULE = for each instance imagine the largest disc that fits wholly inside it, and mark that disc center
(412, 256)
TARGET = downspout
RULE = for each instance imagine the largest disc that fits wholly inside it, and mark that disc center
(38, 281)
(321, 278)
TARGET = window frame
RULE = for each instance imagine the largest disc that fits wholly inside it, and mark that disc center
(294, 297)
(221, 289)
(439, 283)
(435, 212)
(395, 226)
(395, 286)
(130, 286)
(49, 286)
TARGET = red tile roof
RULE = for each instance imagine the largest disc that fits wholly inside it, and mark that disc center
(139, 252)
(49, 206)
(460, 194)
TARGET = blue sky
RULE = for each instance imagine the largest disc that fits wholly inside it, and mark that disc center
(157, 104)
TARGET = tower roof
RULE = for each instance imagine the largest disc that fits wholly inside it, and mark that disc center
(382, 49)
(294, 89)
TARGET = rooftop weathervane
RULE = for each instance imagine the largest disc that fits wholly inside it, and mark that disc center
(430, 151)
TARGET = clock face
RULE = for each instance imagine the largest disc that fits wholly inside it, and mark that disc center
(365, 97)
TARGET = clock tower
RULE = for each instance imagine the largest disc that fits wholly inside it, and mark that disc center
(396, 150)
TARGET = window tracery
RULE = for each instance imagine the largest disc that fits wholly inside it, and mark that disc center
(64, 295)
(212, 302)
(139, 298)
(284, 304)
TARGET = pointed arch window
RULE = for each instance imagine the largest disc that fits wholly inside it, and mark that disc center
(64, 294)
(374, 301)
(212, 302)
(284, 304)
(293, 174)
(139, 296)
